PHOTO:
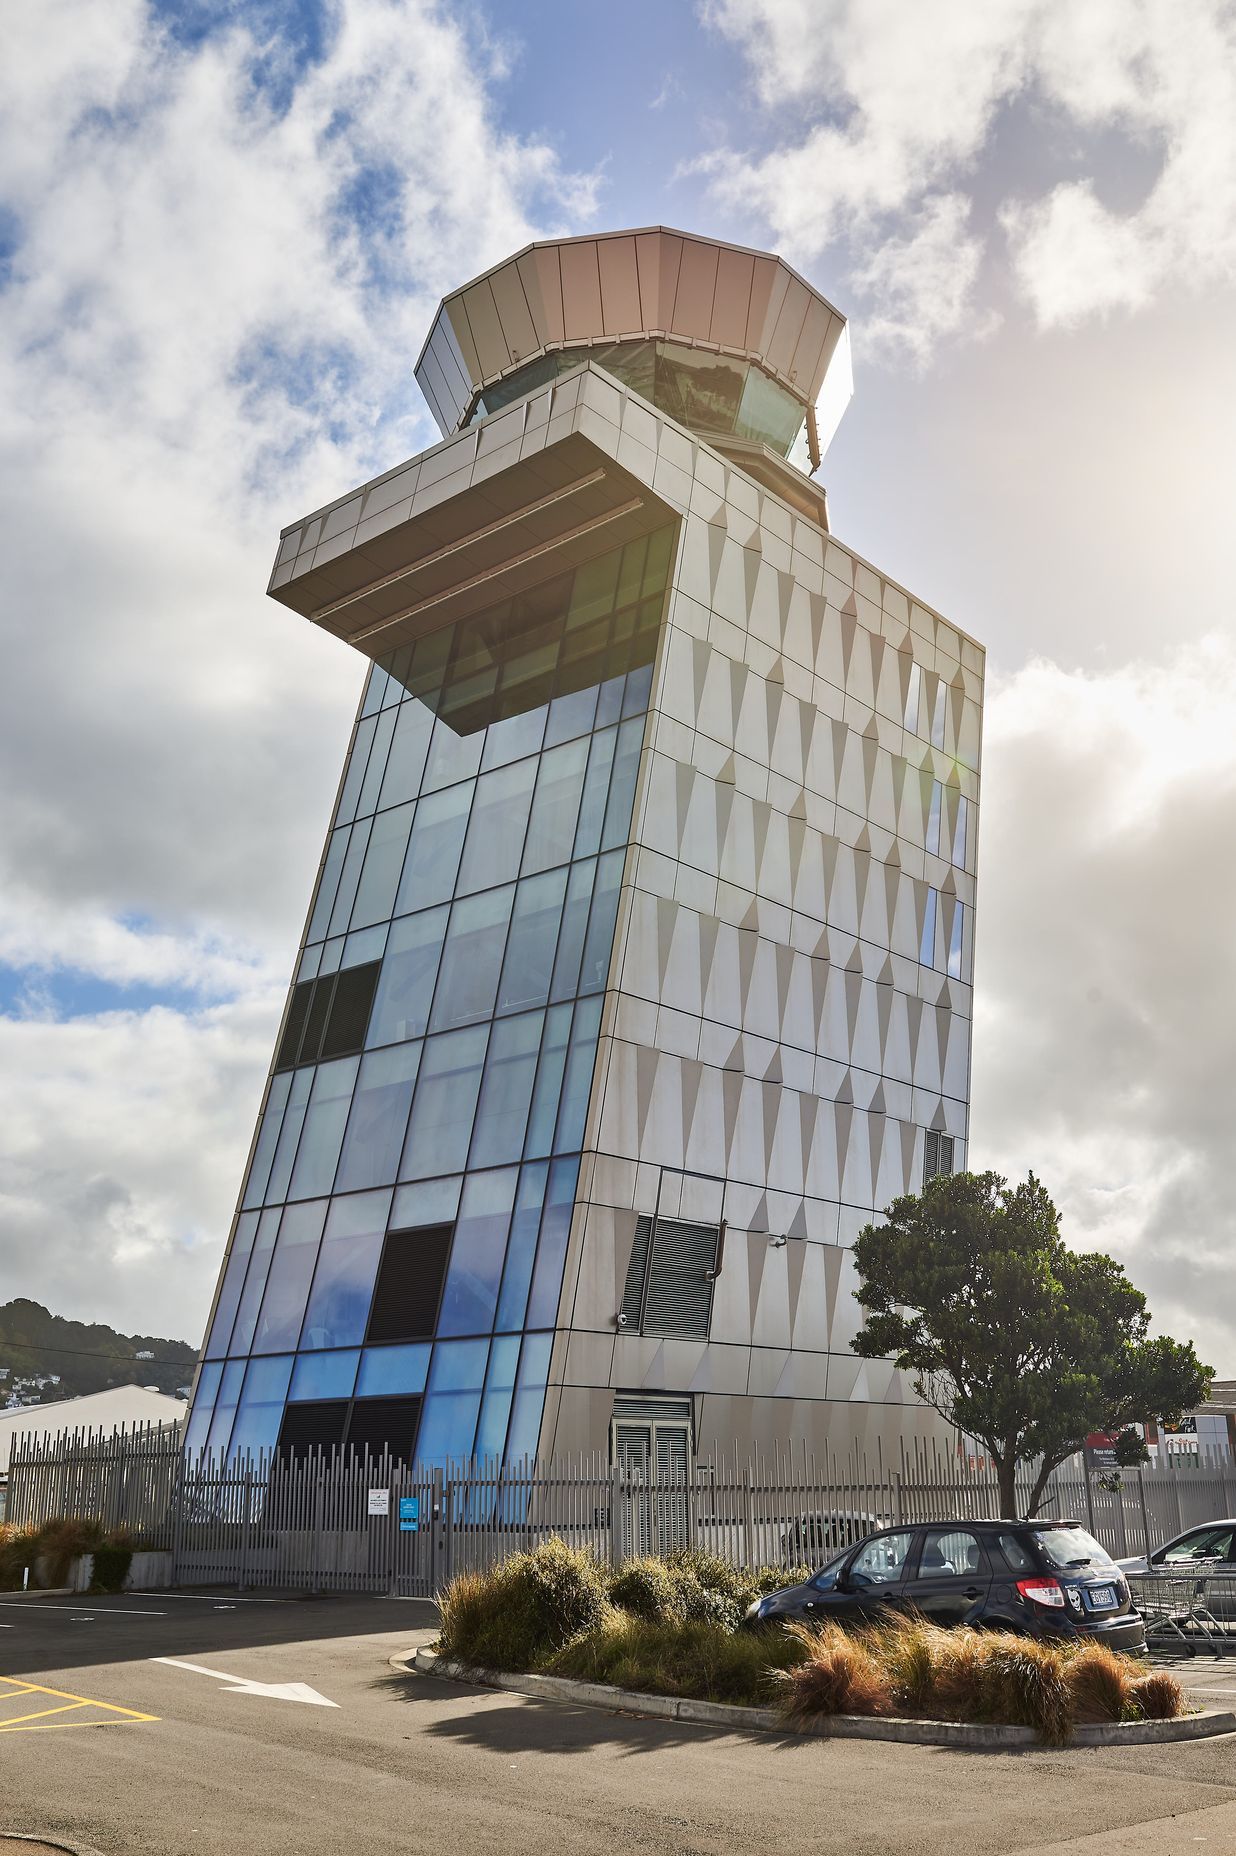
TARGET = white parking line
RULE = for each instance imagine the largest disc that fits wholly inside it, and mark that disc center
(211, 1598)
(75, 1611)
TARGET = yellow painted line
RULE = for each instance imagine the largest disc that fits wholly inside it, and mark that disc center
(75, 1701)
(66, 1707)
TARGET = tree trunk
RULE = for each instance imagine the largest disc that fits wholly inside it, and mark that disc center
(1006, 1471)
(1040, 1483)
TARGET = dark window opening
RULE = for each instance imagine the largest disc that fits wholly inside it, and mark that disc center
(375, 1425)
(409, 1285)
(329, 1016)
(315, 1425)
(937, 1154)
(670, 1277)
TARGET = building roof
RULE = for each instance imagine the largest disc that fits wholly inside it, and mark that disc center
(1222, 1396)
(615, 286)
(120, 1408)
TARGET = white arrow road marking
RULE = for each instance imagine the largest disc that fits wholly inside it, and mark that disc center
(244, 1685)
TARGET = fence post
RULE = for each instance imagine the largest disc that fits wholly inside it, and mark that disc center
(749, 1553)
(243, 1580)
(616, 1530)
(438, 1523)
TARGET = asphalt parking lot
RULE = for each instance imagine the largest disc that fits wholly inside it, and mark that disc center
(185, 1723)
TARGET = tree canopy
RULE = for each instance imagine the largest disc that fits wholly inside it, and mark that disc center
(1014, 1338)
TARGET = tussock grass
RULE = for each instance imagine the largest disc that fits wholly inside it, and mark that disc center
(701, 1660)
(839, 1673)
(524, 1608)
(1158, 1696)
(1101, 1684)
(56, 1543)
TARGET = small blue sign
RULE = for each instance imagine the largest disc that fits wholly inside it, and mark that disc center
(409, 1514)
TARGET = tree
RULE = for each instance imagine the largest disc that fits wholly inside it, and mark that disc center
(1012, 1337)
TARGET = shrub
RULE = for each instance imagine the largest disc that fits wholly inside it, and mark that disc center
(697, 1659)
(1101, 1684)
(839, 1674)
(18, 1549)
(524, 1608)
(709, 1571)
(111, 1566)
(1157, 1696)
(647, 1589)
(764, 1579)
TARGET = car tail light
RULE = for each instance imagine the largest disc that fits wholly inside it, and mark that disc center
(1042, 1592)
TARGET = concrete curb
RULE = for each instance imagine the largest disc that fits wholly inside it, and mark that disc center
(841, 1727)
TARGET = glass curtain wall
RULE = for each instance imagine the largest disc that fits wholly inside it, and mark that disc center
(397, 1258)
(704, 391)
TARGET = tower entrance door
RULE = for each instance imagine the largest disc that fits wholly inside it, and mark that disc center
(651, 1445)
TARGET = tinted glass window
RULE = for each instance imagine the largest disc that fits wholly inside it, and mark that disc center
(1070, 1546)
(1017, 1554)
(949, 1552)
(881, 1561)
(1204, 1543)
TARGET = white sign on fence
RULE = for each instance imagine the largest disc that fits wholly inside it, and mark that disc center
(379, 1501)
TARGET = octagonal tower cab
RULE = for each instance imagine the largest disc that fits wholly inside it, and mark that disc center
(635, 977)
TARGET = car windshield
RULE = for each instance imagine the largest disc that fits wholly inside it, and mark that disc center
(1071, 1546)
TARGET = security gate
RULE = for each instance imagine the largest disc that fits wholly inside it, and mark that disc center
(651, 1443)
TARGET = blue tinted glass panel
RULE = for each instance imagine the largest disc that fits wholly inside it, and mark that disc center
(577, 1084)
(267, 1140)
(225, 1407)
(551, 1250)
(472, 959)
(233, 1283)
(343, 1286)
(532, 941)
(574, 929)
(529, 1404)
(599, 945)
(506, 1093)
(496, 1405)
(434, 850)
(349, 877)
(428, 1201)
(388, 843)
(513, 738)
(477, 1253)
(555, 811)
(933, 818)
(325, 1375)
(497, 827)
(318, 1153)
(328, 885)
(452, 757)
(368, 801)
(521, 1248)
(452, 1402)
(622, 784)
(354, 778)
(409, 973)
(596, 793)
(203, 1405)
(289, 1276)
(289, 1136)
(406, 760)
(927, 939)
(255, 1281)
(444, 1104)
(548, 1089)
(379, 1118)
(261, 1406)
(393, 1372)
(955, 942)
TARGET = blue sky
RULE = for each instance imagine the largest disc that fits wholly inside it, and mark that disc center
(223, 231)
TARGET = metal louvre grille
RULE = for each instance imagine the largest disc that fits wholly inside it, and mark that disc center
(672, 1293)
(937, 1154)
(328, 1017)
(295, 1026)
(632, 1407)
(409, 1285)
(349, 1009)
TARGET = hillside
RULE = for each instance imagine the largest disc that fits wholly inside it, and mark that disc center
(87, 1356)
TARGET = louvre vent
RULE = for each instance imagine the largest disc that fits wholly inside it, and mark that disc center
(315, 1425)
(328, 1017)
(671, 1294)
(937, 1154)
(380, 1424)
(409, 1288)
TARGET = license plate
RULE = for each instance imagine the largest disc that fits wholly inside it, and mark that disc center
(1100, 1597)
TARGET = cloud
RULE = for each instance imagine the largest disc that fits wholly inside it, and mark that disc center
(219, 253)
(895, 106)
(922, 284)
(1106, 991)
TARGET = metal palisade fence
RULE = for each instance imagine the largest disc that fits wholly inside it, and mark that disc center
(322, 1522)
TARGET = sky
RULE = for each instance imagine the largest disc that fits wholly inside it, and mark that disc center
(224, 228)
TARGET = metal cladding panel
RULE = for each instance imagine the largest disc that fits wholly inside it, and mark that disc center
(732, 300)
(697, 284)
(487, 332)
(581, 291)
(517, 325)
(620, 298)
(623, 285)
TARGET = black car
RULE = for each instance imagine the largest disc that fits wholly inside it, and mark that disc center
(1039, 1578)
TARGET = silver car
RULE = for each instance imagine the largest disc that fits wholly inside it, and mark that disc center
(1209, 1551)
